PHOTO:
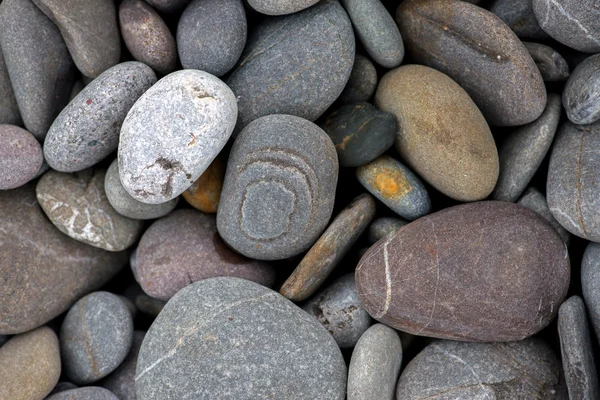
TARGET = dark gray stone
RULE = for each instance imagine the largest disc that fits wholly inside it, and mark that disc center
(280, 7)
(362, 82)
(384, 226)
(126, 205)
(360, 133)
(337, 307)
(375, 364)
(95, 337)
(173, 133)
(240, 340)
(536, 201)
(168, 6)
(574, 23)
(518, 15)
(63, 387)
(211, 35)
(3, 339)
(130, 305)
(9, 110)
(85, 393)
(20, 157)
(551, 64)
(279, 188)
(38, 63)
(377, 31)
(577, 352)
(572, 188)
(590, 281)
(582, 91)
(523, 151)
(526, 369)
(121, 381)
(298, 64)
(87, 129)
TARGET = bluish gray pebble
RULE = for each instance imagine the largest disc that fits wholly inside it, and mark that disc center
(535, 201)
(85, 393)
(551, 64)
(582, 92)
(121, 381)
(518, 15)
(590, 281)
(362, 82)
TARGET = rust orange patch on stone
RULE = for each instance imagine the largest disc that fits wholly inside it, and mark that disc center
(205, 193)
(390, 183)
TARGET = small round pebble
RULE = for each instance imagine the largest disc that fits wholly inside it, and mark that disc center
(535, 201)
(85, 393)
(383, 227)
(581, 93)
(205, 192)
(590, 279)
(280, 7)
(362, 82)
(20, 157)
(396, 186)
(375, 364)
(551, 64)
(518, 15)
(95, 337)
(121, 381)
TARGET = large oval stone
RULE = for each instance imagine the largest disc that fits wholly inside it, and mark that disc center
(486, 271)
(240, 340)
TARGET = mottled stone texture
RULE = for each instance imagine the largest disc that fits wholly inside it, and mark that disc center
(486, 271)
(582, 91)
(552, 66)
(280, 7)
(590, 281)
(20, 157)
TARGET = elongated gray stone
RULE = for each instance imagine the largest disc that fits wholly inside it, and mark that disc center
(582, 91)
(590, 279)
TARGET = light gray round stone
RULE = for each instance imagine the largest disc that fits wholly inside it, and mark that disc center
(590, 281)
(535, 201)
(173, 133)
(362, 82)
(582, 91)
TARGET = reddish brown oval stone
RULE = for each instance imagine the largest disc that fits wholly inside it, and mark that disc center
(487, 271)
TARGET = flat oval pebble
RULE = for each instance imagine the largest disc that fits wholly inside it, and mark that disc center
(172, 134)
(362, 82)
(590, 279)
(445, 275)
(572, 187)
(383, 227)
(205, 192)
(519, 16)
(523, 151)
(147, 37)
(40, 68)
(20, 157)
(211, 35)
(360, 133)
(9, 110)
(29, 365)
(279, 188)
(396, 186)
(95, 337)
(553, 67)
(85, 393)
(240, 340)
(574, 23)
(280, 7)
(581, 94)
(168, 6)
(329, 250)
(39, 265)
(315, 47)
(576, 350)
(442, 135)
(491, 64)
(121, 382)
(535, 201)
(184, 247)
(126, 205)
(377, 31)
(90, 30)
(338, 309)
(77, 205)
(450, 370)
(87, 129)
(375, 364)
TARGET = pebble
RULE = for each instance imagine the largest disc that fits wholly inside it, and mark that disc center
(172, 134)
(495, 70)
(261, 346)
(184, 247)
(126, 205)
(38, 63)
(90, 30)
(442, 135)
(590, 279)
(338, 309)
(63, 387)
(329, 250)
(574, 23)
(580, 95)
(77, 205)
(95, 337)
(205, 192)
(130, 305)
(536, 202)
(149, 305)
(279, 188)
(362, 82)
(450, 274)
(121, 381)
(396, 186)
(523, 151)
(39, 265)
(571, 189)
(377, 31)
(211, 35)
(9, 110)
(518, 15)
(375, 364)
(360, 133)
(168, 6)
(525, 369)
(383, 227)
(29, 365)
(147, 37)
(280, 7)
(87, 129)
(314, 46)
(20, 157)
(553, 67)
(576, 349)
(85, 393)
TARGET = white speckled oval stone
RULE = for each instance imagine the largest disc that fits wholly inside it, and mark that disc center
(172, 133)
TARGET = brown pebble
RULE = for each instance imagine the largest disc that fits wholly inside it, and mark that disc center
(204, 194)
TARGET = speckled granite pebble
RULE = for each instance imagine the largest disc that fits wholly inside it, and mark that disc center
(362, 82)
(240, 340)
(87, 129)
(279, 188)
(590, 279)
(536, 202)
(205, 192)
(85, 393)
(551, 64)
(280, 7)
(9, 110)
(121, 381)
(172, 134)
(384, 226)
(20, 157)
(518, 15)
(581, 93)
